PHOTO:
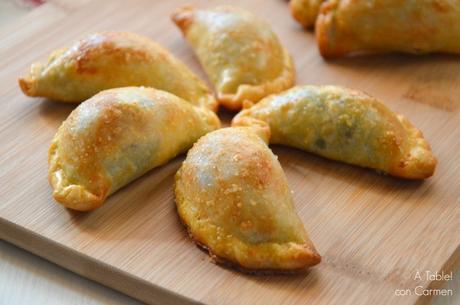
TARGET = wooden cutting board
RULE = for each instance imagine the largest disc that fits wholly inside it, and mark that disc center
(374, 232)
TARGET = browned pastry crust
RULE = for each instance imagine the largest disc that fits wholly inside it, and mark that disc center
(241, 55)
(233, 198)
(344, 125)
(316, 259)
(111, 60)
(305, 12)
(115, 137)
(379, 26)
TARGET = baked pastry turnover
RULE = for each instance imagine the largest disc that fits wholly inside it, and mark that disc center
(241, 55)
(411, 26)
(305, 11)
(344, 125)
(109, 60)
(117, 136)
(232, 195)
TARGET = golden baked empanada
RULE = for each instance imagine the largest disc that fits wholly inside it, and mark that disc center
(232, 195)
(305, 11)
(411, 26)
(344, 125)
(110, 60)
(117, 136)
(241, 55)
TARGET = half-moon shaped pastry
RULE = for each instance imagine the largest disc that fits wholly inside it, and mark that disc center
(117, 136)
(410, 26)
(109, 60)
(305, 11)
(344, 125)
(232, 195)
(241, 55)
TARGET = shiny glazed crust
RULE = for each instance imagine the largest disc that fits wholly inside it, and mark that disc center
(117, 136)
(343, 125)
(305, 11)
(113, 59)
(241, 55)
(233, 197)
(410, 26)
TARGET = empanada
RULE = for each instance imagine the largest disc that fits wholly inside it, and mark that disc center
(241, 55)
(344, 125)
(117, 136)
(411, 26)
(109, 60)
(305, 11)
(232, 195)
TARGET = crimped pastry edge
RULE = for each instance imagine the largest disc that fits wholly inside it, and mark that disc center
(183, 18)
(233, 265)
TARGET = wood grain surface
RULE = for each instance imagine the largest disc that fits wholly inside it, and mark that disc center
(27, 279)
(374, 232)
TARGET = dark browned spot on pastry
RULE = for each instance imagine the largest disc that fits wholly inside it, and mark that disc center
(89, 52)
(258, 272)
(263, 168)
(320, 143)
(183, 17)
(26, 86)
(348, 131)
